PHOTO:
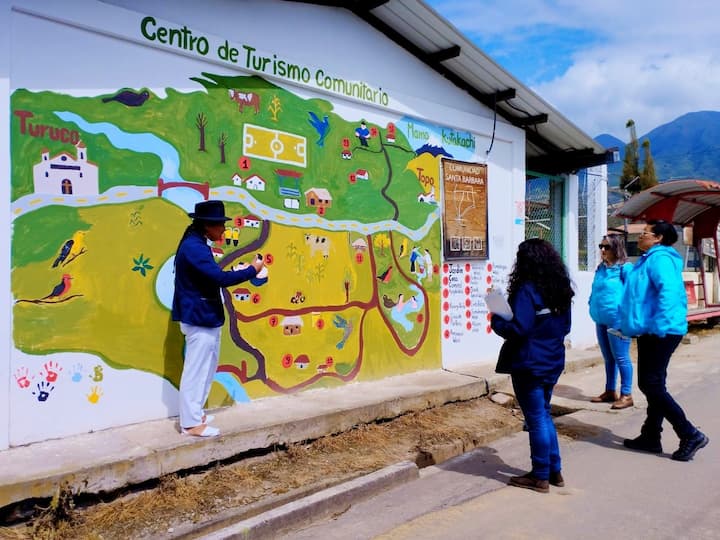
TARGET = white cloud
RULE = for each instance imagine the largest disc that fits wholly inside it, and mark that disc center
(651, 61)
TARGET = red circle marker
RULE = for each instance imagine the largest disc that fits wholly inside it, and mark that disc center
(468, 325)
(446, 319)
(244, 163)
(320, 324)
(269, 259)
(256, 298)
(446, 306)
(287, 360)
(467, 302)
(445, 293)
(446, 333)
(273, 321)
(467, 267)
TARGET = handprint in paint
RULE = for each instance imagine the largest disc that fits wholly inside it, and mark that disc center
(52, 370)
(43, 390)
(94, 395)
(77, 373)
(97, 375)
(23, 377)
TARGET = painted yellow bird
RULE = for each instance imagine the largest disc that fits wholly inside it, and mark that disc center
(71, 248)
(78, 246)
(403, 248)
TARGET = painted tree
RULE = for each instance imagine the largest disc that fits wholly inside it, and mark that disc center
(222, 141)
(381, 241)
(648, 178)
(348, 283)
(201, 121)
(631, 164)
(275, 108)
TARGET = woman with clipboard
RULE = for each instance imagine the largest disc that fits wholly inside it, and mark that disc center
(539, 294)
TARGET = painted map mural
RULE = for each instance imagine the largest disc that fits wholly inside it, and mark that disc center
(345, 212)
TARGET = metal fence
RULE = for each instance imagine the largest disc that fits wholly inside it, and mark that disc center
(543, 210)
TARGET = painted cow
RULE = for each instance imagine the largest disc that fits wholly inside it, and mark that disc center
(318, 243)
(245, 99)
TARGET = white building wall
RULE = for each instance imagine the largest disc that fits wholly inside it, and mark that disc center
(5, 294)
(326, 37)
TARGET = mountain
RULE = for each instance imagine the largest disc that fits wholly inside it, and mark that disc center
(687, 147)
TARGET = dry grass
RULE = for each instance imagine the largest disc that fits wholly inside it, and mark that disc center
(201, 497)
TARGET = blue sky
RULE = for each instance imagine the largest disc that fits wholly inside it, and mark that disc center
(601, 62)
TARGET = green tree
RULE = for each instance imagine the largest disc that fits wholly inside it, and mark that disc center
(648, 178)
(631, 164)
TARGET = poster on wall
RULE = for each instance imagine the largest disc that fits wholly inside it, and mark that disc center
(465, 216)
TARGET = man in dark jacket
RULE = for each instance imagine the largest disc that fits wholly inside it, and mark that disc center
(197, 305)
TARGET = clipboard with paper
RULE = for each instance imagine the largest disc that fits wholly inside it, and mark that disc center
(498, 304)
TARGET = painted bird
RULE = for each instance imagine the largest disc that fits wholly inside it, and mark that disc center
(71, 248)
(321, 126)
(64, 252)
(61, 289)
(385, 276)
(346, 326)
(129, 98)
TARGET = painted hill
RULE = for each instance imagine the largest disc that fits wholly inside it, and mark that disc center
(687, 147)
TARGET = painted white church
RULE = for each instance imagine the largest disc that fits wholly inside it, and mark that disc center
(64, 174)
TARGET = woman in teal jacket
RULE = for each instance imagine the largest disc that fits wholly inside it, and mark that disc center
(605, 297)
(654, 309)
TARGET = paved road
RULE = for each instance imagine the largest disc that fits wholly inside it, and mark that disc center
(610, 493)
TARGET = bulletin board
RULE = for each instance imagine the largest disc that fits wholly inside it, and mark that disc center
(465, 212)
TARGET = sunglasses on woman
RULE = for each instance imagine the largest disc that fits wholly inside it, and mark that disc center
(604, 246)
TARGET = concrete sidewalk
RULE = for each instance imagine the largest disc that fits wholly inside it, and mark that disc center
(114, 458)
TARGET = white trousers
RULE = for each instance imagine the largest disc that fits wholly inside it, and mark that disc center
(202, 349)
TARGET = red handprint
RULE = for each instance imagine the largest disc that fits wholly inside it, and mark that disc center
(52, 369)
(23, 377)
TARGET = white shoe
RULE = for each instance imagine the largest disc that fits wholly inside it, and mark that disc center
(208, 431)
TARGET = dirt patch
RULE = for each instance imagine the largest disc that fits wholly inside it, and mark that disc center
(253, 485)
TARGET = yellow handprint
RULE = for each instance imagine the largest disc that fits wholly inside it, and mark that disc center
(94, 395)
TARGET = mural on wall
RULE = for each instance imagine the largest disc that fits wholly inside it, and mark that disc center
(345, 212)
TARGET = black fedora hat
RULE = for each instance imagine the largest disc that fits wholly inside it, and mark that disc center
(209, 211)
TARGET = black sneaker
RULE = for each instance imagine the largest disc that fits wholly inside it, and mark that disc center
(644, 444)
(688, 447)
(556, 479)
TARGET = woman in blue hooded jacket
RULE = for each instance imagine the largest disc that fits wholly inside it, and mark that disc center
(605, 297)
(654, 309)
(540, 294)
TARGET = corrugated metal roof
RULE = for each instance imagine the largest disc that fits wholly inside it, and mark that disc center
(554, 144)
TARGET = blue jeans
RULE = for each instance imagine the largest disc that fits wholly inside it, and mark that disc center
(616, 353)
(653, 358)
(534, 398)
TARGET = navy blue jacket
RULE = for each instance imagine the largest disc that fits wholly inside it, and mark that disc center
(540, 335)
(198, 279)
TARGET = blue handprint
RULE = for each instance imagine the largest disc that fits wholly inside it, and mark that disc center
(77, 373)
(43, 390)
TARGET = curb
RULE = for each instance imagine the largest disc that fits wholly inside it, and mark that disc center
(321, 505)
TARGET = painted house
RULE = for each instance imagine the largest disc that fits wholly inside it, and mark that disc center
(162, 111)
(255, 183)
(65, 174)
(251, 221)
(241, 294)
(292, 326)
(319, 198)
